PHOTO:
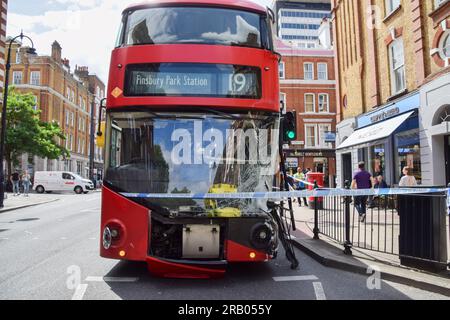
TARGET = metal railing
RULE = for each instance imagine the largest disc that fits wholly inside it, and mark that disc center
(402, 225)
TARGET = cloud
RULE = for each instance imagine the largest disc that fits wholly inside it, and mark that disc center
(86, 30)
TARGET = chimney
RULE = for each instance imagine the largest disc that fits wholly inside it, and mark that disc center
(56, 51)
(82, 71)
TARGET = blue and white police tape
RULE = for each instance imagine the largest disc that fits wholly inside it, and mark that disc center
(305, 182)
(286, 194)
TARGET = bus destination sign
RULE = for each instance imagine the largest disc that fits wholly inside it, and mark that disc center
(202, 80)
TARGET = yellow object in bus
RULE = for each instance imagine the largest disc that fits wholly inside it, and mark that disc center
(100, 139)
(227, 212)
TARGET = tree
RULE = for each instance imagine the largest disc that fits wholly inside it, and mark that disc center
(26, 133)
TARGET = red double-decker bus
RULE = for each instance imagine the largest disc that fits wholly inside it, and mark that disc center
(193, 108)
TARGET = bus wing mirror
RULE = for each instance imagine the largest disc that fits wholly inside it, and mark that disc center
(271, 14)
(100, 140)
(101, 129)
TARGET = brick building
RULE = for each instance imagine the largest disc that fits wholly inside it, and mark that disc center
(62, 96)
(97, 89)
(392, 58)
(4, 11)
(307, 86)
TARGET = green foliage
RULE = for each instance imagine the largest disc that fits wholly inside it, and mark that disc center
(26, 133)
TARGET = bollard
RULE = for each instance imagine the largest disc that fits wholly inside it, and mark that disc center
(316, 214)
(347, 244)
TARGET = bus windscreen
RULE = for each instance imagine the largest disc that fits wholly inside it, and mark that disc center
(195, 25)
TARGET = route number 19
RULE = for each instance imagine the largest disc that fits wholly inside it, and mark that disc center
(238, 82)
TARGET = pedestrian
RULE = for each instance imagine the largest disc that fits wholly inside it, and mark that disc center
(380, 183)
(408, 180)
(15, 180)
(300, 183)
(362, 180)
(26, 181)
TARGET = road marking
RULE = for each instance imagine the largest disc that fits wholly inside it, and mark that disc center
(111, 279)
(95, 199)
(29, 233)
(79, 292)
(318, 290)
(35, 238)
(93, 238)
(4, 238)
(295, 278)
(63, 238)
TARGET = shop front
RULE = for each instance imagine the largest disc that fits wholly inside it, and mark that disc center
(435, 130)
(322, 161)
(387, 140)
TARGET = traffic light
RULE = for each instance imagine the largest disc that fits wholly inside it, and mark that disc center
(289, 127)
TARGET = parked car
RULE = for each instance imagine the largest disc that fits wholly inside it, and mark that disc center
(61, 181)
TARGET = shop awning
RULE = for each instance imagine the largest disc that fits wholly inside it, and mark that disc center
(375, 132)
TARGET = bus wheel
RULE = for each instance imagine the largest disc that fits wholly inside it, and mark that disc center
(78, 190)
(40, 189)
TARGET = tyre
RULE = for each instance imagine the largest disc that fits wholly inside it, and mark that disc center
(40, 189)
(78, 190)
(86, 192)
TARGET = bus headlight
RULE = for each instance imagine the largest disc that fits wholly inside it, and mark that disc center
(107, 238)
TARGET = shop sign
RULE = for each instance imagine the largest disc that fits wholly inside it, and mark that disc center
(330, 137)
(292, 162)
(389, 111)
(313, 154)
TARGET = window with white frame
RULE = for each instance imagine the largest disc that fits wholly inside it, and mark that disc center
(18, 57)
(308, 69)
(315, 135)
(437, 3)
(72, 120)
(67, 119)
(310, 136)
(79, 146)
(322, 71)
(70, 142)
(392, 5)
(35, 107)
(68, 93)
(281, 69)
(324, 103)
(323, 129)
(283, 101)
(445, 45)
(397, 66)
(17, 77)
(35, 78)
(310, 101)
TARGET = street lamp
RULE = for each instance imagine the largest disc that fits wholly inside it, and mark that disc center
(32, 51)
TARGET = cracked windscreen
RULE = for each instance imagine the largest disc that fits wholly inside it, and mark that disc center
(178, 153)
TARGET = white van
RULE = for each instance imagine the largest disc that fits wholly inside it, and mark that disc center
(61, 181)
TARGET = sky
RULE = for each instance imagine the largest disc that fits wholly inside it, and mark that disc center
(85, 29)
